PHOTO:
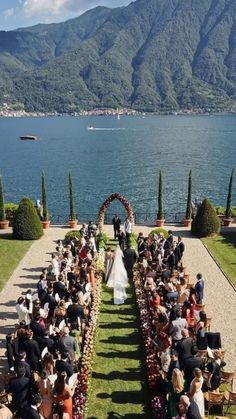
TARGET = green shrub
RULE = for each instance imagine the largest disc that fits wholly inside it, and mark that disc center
(26, 223)
(160, 230)
(71, 235)
(206, 222)
(133, 240)
(101, 240)
(2, 206)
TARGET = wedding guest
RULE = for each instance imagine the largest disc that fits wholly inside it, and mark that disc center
(63, 393)
(122, 240)
(128, 229)
(214, 368)
(176, 328)
(195, 392)
(22, 310)
(31, 412)
(199, 287)
(177, 388)
(188, 409)
(5, 413)
(130, 258)
(45, 391)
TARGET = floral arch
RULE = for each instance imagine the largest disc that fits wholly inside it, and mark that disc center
(105, 205)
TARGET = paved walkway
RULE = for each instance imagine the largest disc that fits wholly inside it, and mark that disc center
(220, 298)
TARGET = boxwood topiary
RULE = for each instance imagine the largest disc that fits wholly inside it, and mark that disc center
(160, 230)
(206, 222)
(71, 235)
(26, 223)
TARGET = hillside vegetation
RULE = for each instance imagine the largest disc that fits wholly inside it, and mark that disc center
(152, 55)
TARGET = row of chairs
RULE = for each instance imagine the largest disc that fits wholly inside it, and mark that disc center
(220, 399)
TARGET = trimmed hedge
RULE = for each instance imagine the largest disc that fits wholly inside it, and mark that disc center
(160, 230)
(26, 223)
(71, 235)
(206, 222)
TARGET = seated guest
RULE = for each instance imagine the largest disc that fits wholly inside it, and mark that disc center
(214, 369)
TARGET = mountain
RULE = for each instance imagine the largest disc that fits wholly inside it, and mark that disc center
(152, 55)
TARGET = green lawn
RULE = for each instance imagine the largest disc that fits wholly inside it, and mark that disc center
(11, 253)
(118, 385)
(223, 248)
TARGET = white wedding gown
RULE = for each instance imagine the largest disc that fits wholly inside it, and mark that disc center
(118, 278)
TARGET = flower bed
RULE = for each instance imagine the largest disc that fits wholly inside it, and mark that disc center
(81, 393)
(157, 402)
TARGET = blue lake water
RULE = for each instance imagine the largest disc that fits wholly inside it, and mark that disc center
(122, 156)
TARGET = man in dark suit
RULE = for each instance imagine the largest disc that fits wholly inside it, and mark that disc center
(59, 287)
(181, 246)
(74, 311)
(51, 302)
(184, 348)
(32, 350)
(64, 364)
(31, 412)
(199, 287)
(20, 362)
(116, 225)
(188, 409)
(130, 257)
(19, 388)
(36, 327)
(174, 363)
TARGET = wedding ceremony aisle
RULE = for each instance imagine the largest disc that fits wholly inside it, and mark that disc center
(119, 382)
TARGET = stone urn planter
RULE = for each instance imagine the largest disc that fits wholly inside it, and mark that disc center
(72, 223)
(4, 224)
(45, 224)
(227, 222)
(187, 222)
(160, 222)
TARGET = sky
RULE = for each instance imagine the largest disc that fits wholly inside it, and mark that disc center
(22, 13)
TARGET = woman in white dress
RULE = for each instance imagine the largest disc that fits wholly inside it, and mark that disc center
(118, 278)
(195, 392)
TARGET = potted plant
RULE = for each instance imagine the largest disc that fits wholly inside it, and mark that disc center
(73, 218)
(187, 221)
(4, 223)
(45, 216)
(227, 220)
(160, 215)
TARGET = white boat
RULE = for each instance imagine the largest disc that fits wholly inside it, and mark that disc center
(90, 128)
(118, 116)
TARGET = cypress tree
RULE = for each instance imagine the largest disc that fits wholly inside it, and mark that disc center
(26, 223)
(2, 207)
(229, 197)
(160, 214)
(188, 213)
(44, 198)
(71, 195)
(206, 222)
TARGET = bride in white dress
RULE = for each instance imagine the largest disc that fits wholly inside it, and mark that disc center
(195, 392)
(118, 278)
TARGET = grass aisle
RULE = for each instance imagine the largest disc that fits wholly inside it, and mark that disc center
(118, 385)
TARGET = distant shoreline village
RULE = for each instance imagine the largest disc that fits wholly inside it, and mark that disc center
(7, 111)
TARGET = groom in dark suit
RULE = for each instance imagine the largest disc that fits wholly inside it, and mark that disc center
(130, 258)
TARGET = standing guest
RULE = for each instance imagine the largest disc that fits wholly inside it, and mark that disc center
(214, 368)
(170, 237)
(188, 409)
(51, 302)
(21, 363)
(63, 393)
(32, 411)
(176, 328)
(32, 350)
(196, 393)
(75, 310)
(45, 391)
(64, 365)
(19, 387)
(174, 363)
(181, 246)
(67, 343)
(58, 412)
(116, 225)
(184, 348)
(84, 230)
(55, 265)
(22, 310)
(177, 254)
(128, 229)
(199, 287)
(176, 390)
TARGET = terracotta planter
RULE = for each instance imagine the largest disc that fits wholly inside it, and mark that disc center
(4, 224)
(72, 223)
(160, 223)
(45, 224)
(227, 222)
(187, 222)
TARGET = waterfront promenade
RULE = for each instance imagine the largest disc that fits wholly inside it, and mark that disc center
(220, 297)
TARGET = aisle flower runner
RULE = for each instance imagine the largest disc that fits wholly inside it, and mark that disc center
(81, 393)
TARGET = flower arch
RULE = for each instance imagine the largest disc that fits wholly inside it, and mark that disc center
(105, 205)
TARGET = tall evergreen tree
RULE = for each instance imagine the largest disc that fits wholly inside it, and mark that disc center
(188, 213)
(2, 207)
(160, 214)
(44, 198)
(228, 210)
(71, 195)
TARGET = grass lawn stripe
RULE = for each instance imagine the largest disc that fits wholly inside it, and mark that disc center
(118, 387)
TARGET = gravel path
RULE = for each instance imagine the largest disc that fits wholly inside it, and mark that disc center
(220, 298)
